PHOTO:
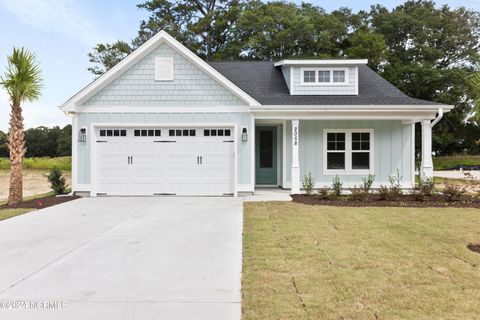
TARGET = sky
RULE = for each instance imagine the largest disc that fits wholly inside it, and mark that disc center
(63, 32)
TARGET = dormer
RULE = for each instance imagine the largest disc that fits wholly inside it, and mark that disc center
(321, 77)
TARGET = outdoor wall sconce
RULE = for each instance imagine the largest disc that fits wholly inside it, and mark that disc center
(244, 134)
(82, 135)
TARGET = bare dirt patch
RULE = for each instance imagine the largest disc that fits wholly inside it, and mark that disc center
(475, 247)
(436, 201)
(34, 182)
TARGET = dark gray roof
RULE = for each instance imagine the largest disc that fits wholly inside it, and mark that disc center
(265, 83)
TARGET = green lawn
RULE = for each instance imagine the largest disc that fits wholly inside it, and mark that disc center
(312, 262)
(442, 163)
(8, 213)
(45, 163)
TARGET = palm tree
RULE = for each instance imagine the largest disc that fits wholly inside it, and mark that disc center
(22, 82)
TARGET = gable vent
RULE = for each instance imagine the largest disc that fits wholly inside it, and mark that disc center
(163, 69)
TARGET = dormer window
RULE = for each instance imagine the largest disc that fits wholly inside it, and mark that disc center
(324, 76)
(309, 76)
(339, 76)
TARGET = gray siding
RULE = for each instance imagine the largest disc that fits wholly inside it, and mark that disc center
(241, 119)
(299, 89)
(190, 87)
(392, 149)
(286, 75)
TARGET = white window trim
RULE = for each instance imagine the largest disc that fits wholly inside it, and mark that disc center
(348, 153)
(331, 83)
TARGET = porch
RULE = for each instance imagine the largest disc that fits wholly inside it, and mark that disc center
(286, 148)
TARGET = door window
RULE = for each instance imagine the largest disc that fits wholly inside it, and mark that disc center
(266, 149)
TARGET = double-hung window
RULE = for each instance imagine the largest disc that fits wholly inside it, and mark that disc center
(309, 76)
(336, 150)
(348, 151)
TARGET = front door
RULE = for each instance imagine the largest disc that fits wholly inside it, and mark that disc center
(266, 155)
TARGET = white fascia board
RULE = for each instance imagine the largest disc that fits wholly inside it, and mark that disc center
(296, 108)
(160, 38)
(404, 113)
(161, 109)
(322, 62)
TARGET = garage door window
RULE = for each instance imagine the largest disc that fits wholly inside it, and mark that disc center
(217, 133)
(147, 133)
(113, 133)
(182, 132)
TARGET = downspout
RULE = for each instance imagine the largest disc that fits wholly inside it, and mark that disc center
(438, 118)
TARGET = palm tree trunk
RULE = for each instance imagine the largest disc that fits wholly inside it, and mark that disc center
(16, 145)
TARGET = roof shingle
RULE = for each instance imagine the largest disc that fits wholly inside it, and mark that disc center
(265, 83)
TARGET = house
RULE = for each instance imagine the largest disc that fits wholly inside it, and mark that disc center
(165, 122)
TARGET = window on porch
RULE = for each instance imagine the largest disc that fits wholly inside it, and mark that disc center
(348, 152)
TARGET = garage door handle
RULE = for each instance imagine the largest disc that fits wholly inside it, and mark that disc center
(201, 159)
(131, 160)
(128, 159)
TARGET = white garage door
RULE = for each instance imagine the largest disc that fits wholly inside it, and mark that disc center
(164, 161)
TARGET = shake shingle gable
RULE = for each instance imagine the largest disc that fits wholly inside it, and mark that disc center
(265, 83)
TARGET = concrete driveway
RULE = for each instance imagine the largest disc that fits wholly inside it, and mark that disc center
(124, 258)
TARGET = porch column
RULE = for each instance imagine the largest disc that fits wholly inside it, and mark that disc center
(426, 169)
(295, 162)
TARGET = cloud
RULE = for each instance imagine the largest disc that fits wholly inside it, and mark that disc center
(59, 16)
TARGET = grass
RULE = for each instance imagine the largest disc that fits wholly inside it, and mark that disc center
(312, 262)
(8, 213)
(44, 163)
(444, 163)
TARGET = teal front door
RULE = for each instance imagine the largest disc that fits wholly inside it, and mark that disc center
(266, 155)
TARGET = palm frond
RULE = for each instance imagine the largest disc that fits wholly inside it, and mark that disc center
(22, 79)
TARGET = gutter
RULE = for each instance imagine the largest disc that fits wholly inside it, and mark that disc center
(438, 118)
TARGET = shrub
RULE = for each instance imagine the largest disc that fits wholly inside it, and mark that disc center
(358, 194)
(395, 184)
(454, 192)
(368, 182)
(308, 183)
(426, 186)
(57, 181)
(324, 192)
(384, 193)
(417, 194)
(337, 186)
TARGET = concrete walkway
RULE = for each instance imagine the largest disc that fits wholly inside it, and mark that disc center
(269, 194)
(124, 258)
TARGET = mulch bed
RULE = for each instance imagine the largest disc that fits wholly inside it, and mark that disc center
(40, 203)
(436, 201)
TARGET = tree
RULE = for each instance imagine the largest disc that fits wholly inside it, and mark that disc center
(106, 56)
(23, 83)
(204, 26)
(64, 142)
(369, 45)
(3, 145)
(430, 53)
(48, 142)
